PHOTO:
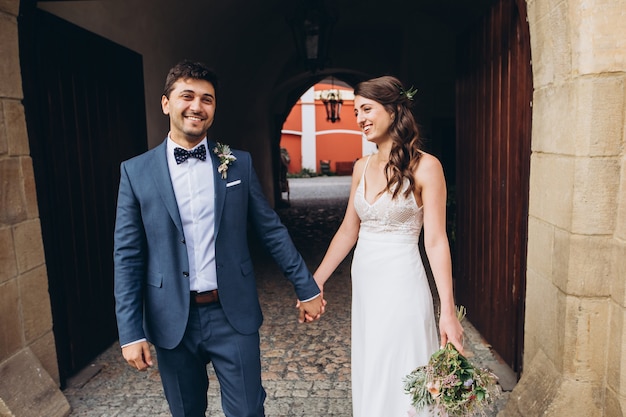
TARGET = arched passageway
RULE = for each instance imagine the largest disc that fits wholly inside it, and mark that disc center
(264, 78)
(575, 292)
(257, 98)
(421, 50)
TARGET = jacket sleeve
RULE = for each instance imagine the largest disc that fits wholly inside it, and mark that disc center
(129, 260)
(276, 239)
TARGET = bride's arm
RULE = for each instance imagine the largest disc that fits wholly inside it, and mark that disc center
(432, 187)
(346, 235)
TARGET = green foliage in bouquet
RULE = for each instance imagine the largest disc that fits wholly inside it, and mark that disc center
(450, 383)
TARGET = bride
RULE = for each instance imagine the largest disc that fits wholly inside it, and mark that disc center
(394, 193)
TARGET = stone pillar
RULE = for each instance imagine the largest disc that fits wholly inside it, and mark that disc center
(25, 315)
(575, 350)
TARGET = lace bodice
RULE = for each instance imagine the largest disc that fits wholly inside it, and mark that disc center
(400, 215)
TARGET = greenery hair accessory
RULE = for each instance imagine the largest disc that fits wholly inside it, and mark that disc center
(410, 93)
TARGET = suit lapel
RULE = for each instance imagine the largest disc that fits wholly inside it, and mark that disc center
(220, 187)
(161, 176)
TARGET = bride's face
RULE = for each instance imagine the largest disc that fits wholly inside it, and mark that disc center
(372, 118)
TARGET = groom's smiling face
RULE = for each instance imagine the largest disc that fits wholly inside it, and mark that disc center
(191, 108)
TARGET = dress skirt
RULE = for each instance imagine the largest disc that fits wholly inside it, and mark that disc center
(393, 323)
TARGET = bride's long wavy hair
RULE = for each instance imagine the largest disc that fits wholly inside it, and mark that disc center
(404, 131)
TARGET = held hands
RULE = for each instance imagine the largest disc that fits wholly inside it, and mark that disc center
(138, 355)
(311, 310)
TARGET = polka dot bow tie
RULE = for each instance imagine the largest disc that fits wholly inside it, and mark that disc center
(182, 155)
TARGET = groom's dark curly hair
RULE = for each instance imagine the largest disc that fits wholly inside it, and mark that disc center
(187, 69)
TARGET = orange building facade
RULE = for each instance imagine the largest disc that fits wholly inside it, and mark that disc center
(315, 143)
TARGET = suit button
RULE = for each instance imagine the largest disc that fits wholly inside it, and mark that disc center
(182, 241)
(186, 274)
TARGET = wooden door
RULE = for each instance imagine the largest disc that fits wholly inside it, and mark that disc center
(85, 113)
(494, 94)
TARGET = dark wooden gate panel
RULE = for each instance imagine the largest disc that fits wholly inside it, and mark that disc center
(494, 93)
(85, 112)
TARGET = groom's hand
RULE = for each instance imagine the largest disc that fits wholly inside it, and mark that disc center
(138, 355)
(311, 310)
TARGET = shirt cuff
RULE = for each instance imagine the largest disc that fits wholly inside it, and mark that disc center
(312, 298)
(132, 343)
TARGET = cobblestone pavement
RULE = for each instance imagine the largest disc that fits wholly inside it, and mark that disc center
(306, 368)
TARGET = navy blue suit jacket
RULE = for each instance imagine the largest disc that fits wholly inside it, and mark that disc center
(150, 255)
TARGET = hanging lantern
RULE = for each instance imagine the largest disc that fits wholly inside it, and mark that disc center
(332, 102)
(312, 26)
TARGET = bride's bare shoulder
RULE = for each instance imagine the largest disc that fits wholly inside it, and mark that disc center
(428, 162)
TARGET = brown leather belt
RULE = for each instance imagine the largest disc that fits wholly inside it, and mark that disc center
(206, 297)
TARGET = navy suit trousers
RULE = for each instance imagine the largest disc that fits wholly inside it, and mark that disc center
(236, 358)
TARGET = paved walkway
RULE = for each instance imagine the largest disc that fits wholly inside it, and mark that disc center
(306, 368)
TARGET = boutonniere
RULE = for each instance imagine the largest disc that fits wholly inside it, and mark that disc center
(226, 158)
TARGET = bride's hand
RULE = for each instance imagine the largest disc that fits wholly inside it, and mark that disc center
(450, 330)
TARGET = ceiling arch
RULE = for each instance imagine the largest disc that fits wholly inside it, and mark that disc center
(251, 47)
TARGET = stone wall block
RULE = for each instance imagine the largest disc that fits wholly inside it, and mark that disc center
(28, 245)
(543, 391)
(599, 113)
(599, 41)
(7, 255)
(554, 120)
(4, 140)
(586, 336)
(614, 405)
(590, 266)
(536, 390)
(45, 350)
(11, 339)
(618, 280)
(616, 360)
(11, 192)
(550, 43)
(560, 255)
(36, 312)
(28, 391)
(620, 227)
(16, 128)
(551, 188)
(10, 6)
(539, 253)
(544, 316)
(577, 398)
(594, 204)
(540, 9)
(30, 189)
(10, 73)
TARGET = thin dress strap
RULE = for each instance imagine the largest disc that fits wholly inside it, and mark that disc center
(365, 169)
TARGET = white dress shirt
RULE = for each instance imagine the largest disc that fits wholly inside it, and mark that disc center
(195, 195)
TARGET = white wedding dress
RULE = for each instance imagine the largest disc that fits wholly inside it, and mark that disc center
(393, 323)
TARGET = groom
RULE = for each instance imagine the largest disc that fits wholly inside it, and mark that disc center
(183, 275)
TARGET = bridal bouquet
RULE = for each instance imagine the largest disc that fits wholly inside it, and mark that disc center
(450, 383)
